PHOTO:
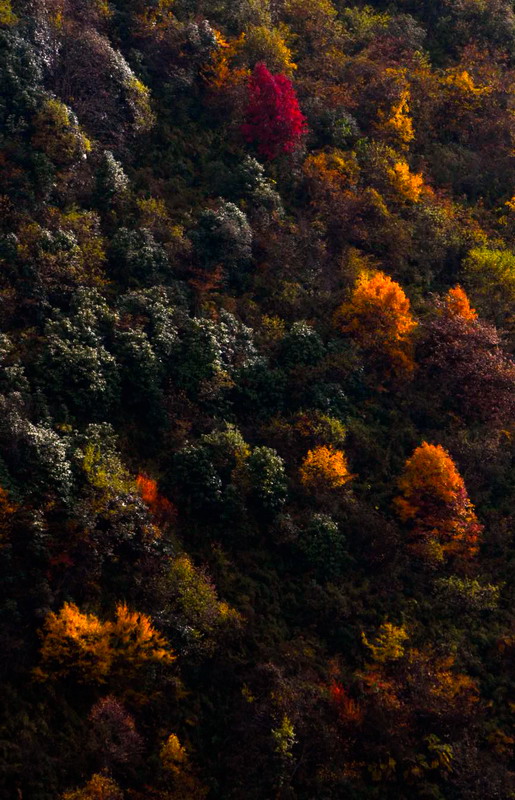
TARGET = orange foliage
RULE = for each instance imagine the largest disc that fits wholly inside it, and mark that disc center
(334, 170)
(457, 304)
(220, 73)
(378, 317)
(75, 642)
(80, 644)
(408, 184)
(134, 640)
(161, 508)
(434, 499)
(7, 509)
(99, 787)
(324, 468)
(453, 688)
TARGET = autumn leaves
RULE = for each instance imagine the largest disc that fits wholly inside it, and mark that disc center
(433, 502)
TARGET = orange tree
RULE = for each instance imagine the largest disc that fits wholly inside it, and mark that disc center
(378, 317)
(435, 504)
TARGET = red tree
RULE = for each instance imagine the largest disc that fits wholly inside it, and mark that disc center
(273, 119)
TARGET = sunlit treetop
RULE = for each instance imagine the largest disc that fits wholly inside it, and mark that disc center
(378, 316)
(457, 304)
(435, 502)
(273, 119)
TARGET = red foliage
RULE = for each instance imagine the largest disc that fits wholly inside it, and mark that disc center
(348, 709)
(161, 508)
(274, 121)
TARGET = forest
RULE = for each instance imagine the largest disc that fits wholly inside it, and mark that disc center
(257, 399)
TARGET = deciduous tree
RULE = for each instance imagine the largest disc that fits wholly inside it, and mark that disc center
(435, 504)
(273, 119)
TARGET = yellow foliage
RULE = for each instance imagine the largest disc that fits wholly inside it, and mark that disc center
(408, 184)
(175, 762)
(139, 100)
(397, 120)
(273, 328)
(324, 468)
(155, 17)
(197, 598)
(58, 134)
(268, 45)
(99, 787)
(173, 755)
(7, 17)
(463, 81)
(457, 304)
(400, 121)
(389, 643)
(106, 473)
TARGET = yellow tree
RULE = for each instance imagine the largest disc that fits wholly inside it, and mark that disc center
(324, 468)
(435, 504)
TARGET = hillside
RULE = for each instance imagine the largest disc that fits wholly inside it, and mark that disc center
(257, 393)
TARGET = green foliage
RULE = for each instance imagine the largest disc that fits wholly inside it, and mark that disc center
(75, 362)
(265, 476)
(223, 237)
(137, 259)
(112, 182)
(490, 274)
(323, 546)
(301, 346)
(213, 372)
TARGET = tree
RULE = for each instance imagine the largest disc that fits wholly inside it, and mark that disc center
(75, 643)
(114, 735)
(489, 273)
(58, 135)
(80, 645)
(273, 119)
(324, 468)
(435, 504)
(378, 316)
(462, 356)
(99, 787)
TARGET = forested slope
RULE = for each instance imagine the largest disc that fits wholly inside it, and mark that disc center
(257, 395)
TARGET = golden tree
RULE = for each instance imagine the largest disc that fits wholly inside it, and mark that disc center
(378, 316)
(81, 645)
(435, 503)
(324, 468)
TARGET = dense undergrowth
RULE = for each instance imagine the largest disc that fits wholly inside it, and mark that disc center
(257, 297)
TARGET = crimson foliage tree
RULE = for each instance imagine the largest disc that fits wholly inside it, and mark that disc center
(273, 119)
